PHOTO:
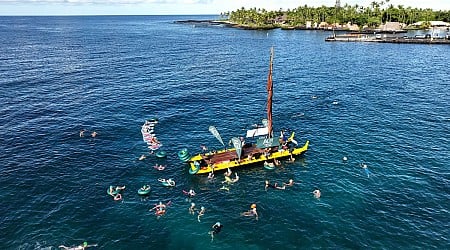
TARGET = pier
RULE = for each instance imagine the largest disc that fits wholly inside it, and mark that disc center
(377, 39)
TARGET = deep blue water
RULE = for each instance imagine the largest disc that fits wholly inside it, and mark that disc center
(108, 74)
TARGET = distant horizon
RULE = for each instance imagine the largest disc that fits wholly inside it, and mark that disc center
(180, 7)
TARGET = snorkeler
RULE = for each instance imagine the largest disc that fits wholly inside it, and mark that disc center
(216, 229)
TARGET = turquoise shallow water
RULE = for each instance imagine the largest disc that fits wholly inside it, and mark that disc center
(59, 75)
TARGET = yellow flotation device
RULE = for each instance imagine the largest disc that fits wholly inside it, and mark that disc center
(291, 137)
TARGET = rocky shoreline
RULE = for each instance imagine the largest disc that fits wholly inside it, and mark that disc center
(229, 24)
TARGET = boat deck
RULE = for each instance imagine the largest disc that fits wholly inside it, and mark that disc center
(224, 159)
(230, 155)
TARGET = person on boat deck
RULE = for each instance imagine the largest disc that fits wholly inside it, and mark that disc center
(216, 229)
(201, 213)
(204, 149)
(251, 212)
(192, 208)
(283, 137)
(242, 141)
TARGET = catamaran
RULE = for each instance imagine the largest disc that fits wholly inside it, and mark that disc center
(267, 151)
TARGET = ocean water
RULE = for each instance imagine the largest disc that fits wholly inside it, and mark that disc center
(387, 105)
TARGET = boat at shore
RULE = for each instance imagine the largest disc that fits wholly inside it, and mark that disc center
(265, 148)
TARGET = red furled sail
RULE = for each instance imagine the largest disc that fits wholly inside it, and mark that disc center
(269, 96)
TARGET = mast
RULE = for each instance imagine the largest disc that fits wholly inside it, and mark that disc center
(269, 96)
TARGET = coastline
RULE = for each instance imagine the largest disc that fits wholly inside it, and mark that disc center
(230, 24)
(351, 36)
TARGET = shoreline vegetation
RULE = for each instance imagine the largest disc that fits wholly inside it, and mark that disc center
(379, 16)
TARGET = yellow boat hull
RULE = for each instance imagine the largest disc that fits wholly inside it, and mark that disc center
(223, 165)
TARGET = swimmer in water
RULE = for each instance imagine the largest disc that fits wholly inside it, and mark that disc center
(192, 208)
(236, 179)
(201, 213)
(364, 166)
(211, 175)
(290, 183)
(216, 229)
(160, 209)
(317, 193)
(159, 167)
(251, 212)
(227, 180)
(191, 193)
(228, 173)
(80, 247)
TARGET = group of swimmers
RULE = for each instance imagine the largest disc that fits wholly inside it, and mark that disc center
(200, 212)
(290, 183)
(268, 185)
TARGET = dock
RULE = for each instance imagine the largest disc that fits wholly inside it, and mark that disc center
(377, 39)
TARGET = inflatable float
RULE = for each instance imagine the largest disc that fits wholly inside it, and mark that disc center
(145, 190)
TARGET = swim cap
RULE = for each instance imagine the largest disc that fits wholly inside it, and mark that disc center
(253, 206)
(192, 204)
(218, 223)
(202, 207)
